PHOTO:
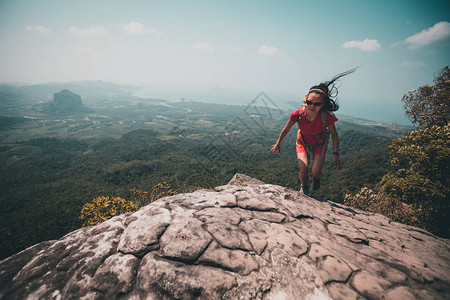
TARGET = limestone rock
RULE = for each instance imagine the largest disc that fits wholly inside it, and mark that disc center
(238, 261)
(116, 274)
(142, 234)
(243, 240)
(64, 101)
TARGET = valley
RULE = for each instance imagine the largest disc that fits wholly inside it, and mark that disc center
(51, 164)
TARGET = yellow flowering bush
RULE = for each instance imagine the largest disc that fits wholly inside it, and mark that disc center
(103, 208)
(143, 198)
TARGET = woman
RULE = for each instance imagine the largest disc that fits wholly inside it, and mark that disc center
(316, 123)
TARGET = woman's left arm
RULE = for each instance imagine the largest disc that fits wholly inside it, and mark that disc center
(335, 137)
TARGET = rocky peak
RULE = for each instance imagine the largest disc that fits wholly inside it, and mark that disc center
(65, 101)
(244, 240)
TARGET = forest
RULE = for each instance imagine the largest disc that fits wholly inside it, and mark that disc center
(51, 165)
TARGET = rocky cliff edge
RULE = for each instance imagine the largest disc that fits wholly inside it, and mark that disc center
(244, 240)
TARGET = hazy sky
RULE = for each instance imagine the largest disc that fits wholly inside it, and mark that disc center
(231, 50)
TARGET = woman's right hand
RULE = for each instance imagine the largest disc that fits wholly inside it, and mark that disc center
(275, 148)
(337, 161)
(283, 133)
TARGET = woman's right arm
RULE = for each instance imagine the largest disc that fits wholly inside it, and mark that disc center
(283, 133)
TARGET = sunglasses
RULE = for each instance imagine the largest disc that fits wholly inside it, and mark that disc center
(318, 103)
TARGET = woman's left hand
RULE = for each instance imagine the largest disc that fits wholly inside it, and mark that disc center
(275, 148)
(337, 162)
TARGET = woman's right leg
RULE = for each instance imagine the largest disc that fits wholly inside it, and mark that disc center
(302, 159)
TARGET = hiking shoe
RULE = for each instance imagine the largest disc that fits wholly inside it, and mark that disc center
(316, 183)
(304, 189)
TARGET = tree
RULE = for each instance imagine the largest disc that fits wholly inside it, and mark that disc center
(422, 180)
(143, 198)
(103, 208)
(418, 193)
(381, 203)
(429, 105)
(9, 243)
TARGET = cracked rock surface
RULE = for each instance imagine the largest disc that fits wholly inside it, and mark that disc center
(244, 240)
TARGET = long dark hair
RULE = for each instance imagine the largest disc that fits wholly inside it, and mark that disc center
(329, 90)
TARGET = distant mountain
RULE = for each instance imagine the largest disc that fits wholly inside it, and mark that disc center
(10, 93)
(65, 101)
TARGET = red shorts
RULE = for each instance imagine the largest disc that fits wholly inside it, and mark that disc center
(317, 149)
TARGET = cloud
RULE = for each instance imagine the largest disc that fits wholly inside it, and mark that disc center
(38, 28)
(439, 32)
(203, 46)
(92, 31)
(135, 28)
(413, 64)
(267, 50)
(366, 45)
(234, 48)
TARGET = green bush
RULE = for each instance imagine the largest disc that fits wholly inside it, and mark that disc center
(418, 192)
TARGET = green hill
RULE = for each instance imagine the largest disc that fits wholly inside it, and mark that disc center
(51, 166)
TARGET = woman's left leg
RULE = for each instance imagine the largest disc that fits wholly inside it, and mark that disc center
(316, 170)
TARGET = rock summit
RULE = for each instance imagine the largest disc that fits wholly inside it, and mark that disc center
(244, 240)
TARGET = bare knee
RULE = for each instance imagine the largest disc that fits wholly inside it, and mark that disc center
(303, 172)
(316, 170)
(316, 173)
